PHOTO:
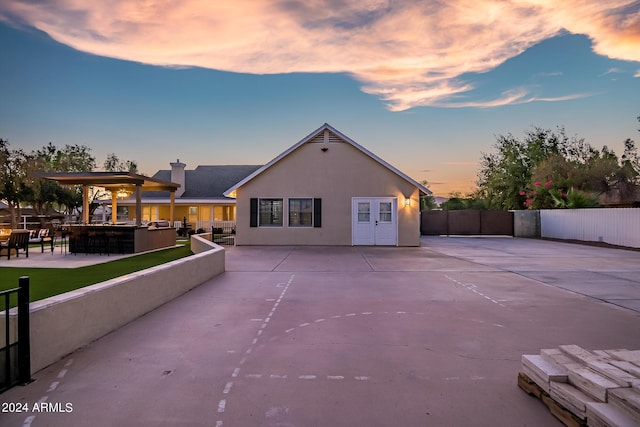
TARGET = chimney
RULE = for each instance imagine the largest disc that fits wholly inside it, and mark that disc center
(177, 176)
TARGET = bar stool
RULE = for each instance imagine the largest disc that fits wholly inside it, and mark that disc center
(96, 242)
(78, 240)
(116, 238)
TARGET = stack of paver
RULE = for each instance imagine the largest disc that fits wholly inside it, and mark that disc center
(585, 388)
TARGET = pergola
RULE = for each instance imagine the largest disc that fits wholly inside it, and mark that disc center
(115, 182)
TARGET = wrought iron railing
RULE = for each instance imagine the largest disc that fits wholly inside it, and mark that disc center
(15, 352)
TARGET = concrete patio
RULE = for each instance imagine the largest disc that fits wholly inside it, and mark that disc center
(347, 336)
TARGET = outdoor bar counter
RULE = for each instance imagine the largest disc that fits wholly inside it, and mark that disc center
(113, 239)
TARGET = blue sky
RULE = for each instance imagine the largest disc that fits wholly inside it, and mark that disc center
(427, 107)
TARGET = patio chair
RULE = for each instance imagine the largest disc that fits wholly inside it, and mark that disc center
(19, 239)
(44, 236)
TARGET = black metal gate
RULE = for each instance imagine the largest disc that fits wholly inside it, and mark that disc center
(15, 356)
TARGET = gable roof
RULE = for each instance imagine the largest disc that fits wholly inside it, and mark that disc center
(205, 182)
(309, 138)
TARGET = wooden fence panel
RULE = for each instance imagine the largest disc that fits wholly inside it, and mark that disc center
(464, 223)
(433, 223)
(496, 223)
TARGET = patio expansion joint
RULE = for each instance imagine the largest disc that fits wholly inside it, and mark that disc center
(283, 259)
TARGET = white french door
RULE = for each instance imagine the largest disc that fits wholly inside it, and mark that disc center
(374, 221)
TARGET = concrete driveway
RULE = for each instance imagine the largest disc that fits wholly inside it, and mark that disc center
(344, 336)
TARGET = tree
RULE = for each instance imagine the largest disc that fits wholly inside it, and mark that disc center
(114, 164)
(583, 177)
(45, 194)
(13, 176)
(504, 173)
(631, 161)
(427, 202)
(453, 204)
(457, 202)
(547, 169)
(19, 184)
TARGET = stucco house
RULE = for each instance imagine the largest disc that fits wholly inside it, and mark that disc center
(327, 190)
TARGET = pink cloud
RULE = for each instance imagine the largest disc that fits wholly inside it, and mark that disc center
(406, 53)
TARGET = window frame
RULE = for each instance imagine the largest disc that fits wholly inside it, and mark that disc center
(368, 212)
(311, 210)
(260, 212)
(385, 212)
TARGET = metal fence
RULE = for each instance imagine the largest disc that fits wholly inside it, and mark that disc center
(15, 353)
(616, 226)
(223, 232)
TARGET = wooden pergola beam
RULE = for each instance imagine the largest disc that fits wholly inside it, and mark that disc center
(114, 182)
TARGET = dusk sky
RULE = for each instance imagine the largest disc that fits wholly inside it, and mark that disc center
(425, 85)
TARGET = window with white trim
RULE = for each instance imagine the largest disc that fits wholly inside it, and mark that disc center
(301, 212)
(270, 212)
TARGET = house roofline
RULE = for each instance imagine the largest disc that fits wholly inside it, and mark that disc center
(306, 139)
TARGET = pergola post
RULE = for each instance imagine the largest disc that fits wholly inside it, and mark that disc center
(138, 205)
(85, 204)
(114, 207)
(172, 206)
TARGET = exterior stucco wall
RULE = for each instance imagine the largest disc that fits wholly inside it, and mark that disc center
(335, 176)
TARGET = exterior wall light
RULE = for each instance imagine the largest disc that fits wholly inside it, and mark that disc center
(407, 202)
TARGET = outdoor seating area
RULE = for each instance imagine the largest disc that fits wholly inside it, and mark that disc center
(59, 258)
(86, 239)
(68, 238)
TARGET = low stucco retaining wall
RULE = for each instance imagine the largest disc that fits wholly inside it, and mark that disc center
(61, 324)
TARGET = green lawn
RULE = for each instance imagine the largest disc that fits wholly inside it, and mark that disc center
(46, 282)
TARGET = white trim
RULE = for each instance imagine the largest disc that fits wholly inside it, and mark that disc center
(309, 137)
